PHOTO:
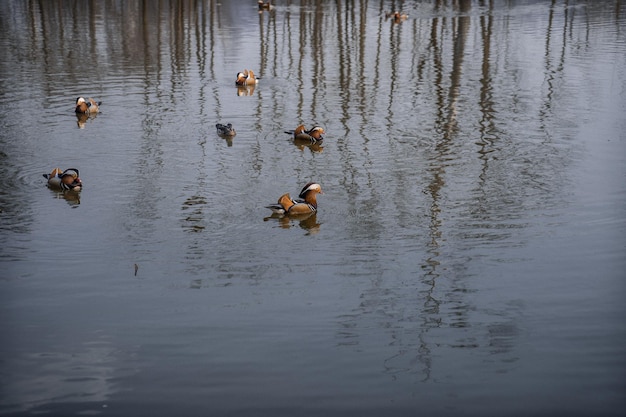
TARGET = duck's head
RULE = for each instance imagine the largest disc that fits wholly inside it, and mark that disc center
(311, 187)
(81, 105)
(241, 78)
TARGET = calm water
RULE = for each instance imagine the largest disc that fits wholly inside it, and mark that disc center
(469, 253)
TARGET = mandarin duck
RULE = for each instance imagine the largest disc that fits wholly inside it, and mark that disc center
(225, 130)
(265, 5)
(65, 180)
(89, 106)
(307, 203)
(396, 16)
(312, 135)
(246, 77)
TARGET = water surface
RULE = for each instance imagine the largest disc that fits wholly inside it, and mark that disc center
(467, 257)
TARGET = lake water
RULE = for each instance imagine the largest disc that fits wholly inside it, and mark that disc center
(468, 257)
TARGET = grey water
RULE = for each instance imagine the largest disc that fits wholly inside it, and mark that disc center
(467, 258)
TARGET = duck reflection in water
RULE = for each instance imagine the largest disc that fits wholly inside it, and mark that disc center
(314, 147)
(245, 90)
(71, 197)
(82, 118)
(307, 221)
